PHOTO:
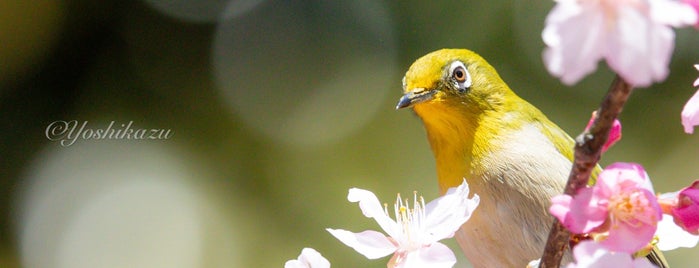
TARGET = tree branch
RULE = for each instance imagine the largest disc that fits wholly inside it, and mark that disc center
(588, 148)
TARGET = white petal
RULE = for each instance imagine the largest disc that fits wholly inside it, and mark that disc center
(590, 254)
(641, 263)
(309, 258)
(371, 244)
(671, 236)
(673, 13)
(574, 36)
(371, 208)
(436, 255)
(313, 258)
(669, 195)
(446, 214)
(586, 249)
(534, 263)
(690, 113)
(294, 264)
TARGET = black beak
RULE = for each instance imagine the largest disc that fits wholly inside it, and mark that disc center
(415, 96)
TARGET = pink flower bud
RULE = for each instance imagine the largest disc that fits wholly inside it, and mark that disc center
(686, 212)
(614, 133)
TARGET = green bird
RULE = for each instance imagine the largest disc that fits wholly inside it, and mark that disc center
(508, 151)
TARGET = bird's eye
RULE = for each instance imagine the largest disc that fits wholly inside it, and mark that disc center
(460, 76)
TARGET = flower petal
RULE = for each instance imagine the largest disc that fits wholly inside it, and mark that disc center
(614, 132)
(690, 113)
(621, 176)
(574, 38)
(560, 208)
(589, 254)
(673, 13)
(371, 244)
(629, 239)
(687, 210)
(446, 214)
(578, 214)
(436, 255)
(671, 236)
(639, 49)
(371, 208)
(309, 258)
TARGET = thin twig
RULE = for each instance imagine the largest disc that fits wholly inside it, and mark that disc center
(588, 148)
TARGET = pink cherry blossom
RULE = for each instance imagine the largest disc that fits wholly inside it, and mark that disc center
(687, 210)
(690, 112)
(695, 5)
(309, 258)
(621, 204)
(683, 206)
(413, 237)
(614, 133)
(589, 254)
(634, 37)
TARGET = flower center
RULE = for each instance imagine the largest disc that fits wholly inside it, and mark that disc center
(410, 221)
(632, 208)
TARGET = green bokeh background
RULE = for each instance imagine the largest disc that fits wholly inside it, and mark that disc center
(277, 177)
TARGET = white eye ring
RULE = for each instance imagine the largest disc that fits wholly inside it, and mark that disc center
(458, 72)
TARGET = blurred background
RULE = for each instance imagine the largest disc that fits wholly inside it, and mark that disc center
(275, 109)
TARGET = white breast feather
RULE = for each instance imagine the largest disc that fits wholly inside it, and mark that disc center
(510, 226)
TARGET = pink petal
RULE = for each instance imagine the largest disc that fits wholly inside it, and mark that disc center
(639, 49)
(629, 239)
(614, 133)
(436, 255)
(371, 208)
(690, 113)
(371, 244)
(621, 176)
(578, 214)
(687, 210)
(573, 36)
(641, 263)
(560, 208)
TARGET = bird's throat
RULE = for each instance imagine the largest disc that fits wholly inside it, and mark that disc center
(452, 138)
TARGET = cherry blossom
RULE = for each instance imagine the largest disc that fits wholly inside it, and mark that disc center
(690, 112)
(413, 237)
(621, 205)
(634, 37)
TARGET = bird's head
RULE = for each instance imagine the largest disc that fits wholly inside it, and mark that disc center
(455, 80)
(464, 105)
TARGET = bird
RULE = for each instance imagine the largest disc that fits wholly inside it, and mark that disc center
(506, 149)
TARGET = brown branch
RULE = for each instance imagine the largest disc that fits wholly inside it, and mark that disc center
(588, 148)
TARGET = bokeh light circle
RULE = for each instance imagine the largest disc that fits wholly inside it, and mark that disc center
(117, 204)
(307, 73)
(203, 11)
